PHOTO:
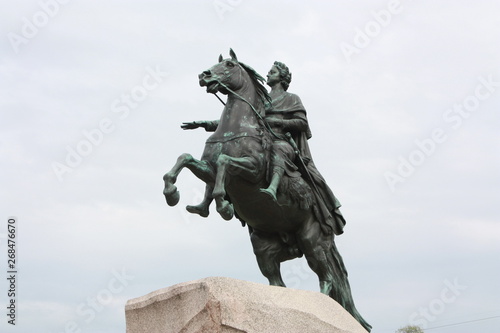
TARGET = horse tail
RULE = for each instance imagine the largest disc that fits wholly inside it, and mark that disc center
(341, 290)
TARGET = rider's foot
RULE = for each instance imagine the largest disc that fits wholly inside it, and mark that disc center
(200, 209)
(270, 193)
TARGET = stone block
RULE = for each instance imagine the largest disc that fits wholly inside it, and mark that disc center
(225, 305)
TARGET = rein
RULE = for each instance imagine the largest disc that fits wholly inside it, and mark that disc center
(220, 99)
(266, 124)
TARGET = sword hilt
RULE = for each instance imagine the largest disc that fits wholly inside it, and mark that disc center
(292, 142)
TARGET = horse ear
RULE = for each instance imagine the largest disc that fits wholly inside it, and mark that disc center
(233, 55)
(220, 58)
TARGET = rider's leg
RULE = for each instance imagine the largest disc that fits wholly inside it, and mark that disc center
(202, 208)
(282, 157)
(272, 189)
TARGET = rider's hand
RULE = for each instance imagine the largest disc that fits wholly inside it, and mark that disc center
(192, 125)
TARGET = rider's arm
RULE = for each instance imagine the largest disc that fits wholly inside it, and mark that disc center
(208, 125)
(296, 124)
(211, 126)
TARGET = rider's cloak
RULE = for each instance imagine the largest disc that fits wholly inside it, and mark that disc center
(291, 107)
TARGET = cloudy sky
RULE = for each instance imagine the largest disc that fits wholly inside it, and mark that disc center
(402, 99)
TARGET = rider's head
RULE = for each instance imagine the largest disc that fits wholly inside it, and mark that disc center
(285, 75)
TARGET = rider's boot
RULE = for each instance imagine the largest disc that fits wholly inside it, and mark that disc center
(272, 189)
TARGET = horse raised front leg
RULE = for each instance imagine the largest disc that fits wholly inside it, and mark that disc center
(202, 208)
(200, 169)
(229, 165)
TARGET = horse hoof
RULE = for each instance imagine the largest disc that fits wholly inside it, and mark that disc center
(226, 210)
(325, 287)
(172, 197)
(202, 211)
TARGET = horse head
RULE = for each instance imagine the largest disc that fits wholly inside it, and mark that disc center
(227, 73)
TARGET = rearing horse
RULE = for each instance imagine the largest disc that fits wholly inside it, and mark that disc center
(234, 164)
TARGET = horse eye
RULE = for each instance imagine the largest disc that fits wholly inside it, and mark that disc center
(229, 64)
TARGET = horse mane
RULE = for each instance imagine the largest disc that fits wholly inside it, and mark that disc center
(257, 80)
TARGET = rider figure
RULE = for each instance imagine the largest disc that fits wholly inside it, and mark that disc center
(287, 115)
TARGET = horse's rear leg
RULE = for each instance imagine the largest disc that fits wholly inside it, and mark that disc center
(316, 248)
(269, 251)
(200, 169)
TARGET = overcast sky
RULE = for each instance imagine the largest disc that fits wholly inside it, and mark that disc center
(403, 101)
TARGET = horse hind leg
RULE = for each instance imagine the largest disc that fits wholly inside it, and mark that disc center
(199, 168)
(316, 247)
(325, 260)
(269, 251)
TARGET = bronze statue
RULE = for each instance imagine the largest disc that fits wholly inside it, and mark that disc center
(257, 166)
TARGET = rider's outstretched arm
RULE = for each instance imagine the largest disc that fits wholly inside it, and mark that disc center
(208, 125)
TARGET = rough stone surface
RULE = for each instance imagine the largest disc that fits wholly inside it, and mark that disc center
(225, 305)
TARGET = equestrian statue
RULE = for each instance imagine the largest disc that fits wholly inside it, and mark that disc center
(257, 167)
